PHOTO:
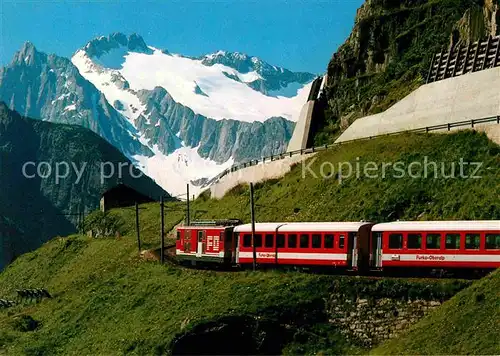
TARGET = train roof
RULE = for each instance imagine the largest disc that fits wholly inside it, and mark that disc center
(324, 226)
(466, 225)
(201, 227)
(258, 227)
(303, 226)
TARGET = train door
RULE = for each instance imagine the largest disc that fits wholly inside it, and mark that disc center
(187, 240)
(346, 243)
(353, 246)
(236, 249)
(363, 247)
(230, 244)
(279, 239)
(376, 250)
(202, 243)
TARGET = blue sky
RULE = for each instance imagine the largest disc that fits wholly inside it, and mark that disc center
(300, 35)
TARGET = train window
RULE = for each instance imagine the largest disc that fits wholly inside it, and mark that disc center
(433, 241)
(341, 241)
(329, 239)
(200, 236)
(178, 235)
(269, 242)
(221, 236)
(472, 241)
(452, 242)
(395, 241)
(292, 241)
(247, 240)
(258, 240)
(304, 241)
(280, 240)
(492, 241)
(414, 241)
(316, 241)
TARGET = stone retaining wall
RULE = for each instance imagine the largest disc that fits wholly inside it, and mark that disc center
(373, 321)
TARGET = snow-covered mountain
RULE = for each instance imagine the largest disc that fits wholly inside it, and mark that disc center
(49, 87)
(179, 118)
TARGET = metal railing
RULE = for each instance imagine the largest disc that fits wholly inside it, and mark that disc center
(310, 150)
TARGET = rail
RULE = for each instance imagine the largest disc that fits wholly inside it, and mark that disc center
(310, 150)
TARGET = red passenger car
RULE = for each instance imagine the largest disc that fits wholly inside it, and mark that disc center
(334, 244)
(207, 241)
(436, 244)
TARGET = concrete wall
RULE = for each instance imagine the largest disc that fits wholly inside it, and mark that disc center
(471, 96)
(254, 174)
(492, 131)
(301, 131)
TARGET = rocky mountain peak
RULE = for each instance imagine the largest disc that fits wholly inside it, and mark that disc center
(137, 44)
(28, 54)
(103, 44)
(242, 62)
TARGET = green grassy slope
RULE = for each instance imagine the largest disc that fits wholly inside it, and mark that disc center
(107, 300)
(469, 323)
(294, 198)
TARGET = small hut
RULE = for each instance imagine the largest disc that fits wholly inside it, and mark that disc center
(122, 195)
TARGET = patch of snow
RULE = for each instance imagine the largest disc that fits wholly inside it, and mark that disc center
(71, 107)
(148, 118)
(173, 171)
(216, 54)
(249, 77)
(102, 79)
(60, 97)
(226, 98)
(145, 141)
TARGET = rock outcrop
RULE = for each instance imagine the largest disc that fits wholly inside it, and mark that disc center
(389, 51)
(37, 204)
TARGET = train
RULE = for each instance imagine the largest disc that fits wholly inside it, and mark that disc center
(358, 247)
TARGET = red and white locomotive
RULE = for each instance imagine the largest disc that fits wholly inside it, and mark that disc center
(356, 246)
(207, 241)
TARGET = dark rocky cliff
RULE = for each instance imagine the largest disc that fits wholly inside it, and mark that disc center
(36, 204)
(389, 52)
